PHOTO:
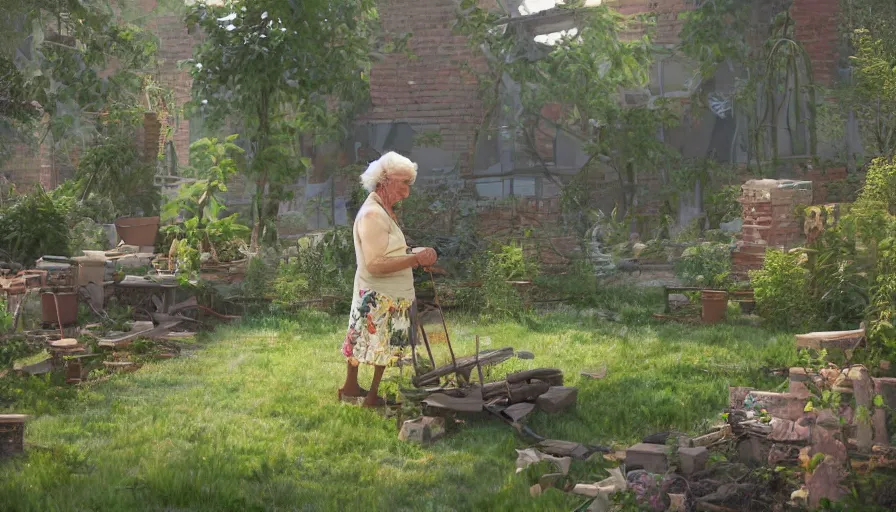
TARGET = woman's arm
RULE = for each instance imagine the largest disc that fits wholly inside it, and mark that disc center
(373, 230)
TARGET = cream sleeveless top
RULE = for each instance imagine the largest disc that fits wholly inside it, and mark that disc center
(398, 285)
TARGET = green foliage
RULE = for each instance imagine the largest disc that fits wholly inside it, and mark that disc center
(78, 62)
(318, 268)
(275, 64)
(494, 296)
(33, 226)
(873, 96)
(113, 168)
(707, 264)
(213, 163)
(839, 280)
(200, 203)
(721, 205)
(781, 290)
(84, 216)
(585, 72)
(720, 32)
(5, 316)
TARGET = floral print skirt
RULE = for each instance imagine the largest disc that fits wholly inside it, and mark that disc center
(379, 328)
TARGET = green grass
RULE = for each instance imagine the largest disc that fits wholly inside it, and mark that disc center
(247, 419)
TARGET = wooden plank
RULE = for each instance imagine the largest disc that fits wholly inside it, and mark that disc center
(148, 333)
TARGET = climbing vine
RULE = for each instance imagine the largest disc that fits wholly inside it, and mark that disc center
(774, 87)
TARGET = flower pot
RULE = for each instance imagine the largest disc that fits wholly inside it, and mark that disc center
(68, 308)
(139, 231)
(715, 305)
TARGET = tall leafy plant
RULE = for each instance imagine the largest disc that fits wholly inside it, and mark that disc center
(33, 226)
(200, 206)
(276, 67)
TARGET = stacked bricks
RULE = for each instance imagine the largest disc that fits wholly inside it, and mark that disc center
(770, 220)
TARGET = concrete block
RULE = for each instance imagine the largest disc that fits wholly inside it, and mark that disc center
(651, 457)
(693, 460)
(557, 399)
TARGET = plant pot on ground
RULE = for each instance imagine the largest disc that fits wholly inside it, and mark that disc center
(714, 304)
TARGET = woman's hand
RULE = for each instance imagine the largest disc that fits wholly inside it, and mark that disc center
(426, 257)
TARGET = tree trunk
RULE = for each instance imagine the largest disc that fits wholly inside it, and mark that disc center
(260, 185)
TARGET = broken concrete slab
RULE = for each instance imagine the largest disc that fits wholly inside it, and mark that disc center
(692, 460)
(712, 437)
(789, 431)
(826, 482)
(564, 449)
(517, 412)
(524, 354)
(589, 490)
(531, 456)
(126, 339)
(557, 399)
(831, 340)
(470, 403)
(651, 457)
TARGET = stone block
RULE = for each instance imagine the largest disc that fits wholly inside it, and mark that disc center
(651, 457)
(886, 387)
(781, 405)
(557, 399)
(736, 396)
(753, 451)
(693, 459)
(423, 430)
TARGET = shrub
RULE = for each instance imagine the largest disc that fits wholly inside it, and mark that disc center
(32, 227)
(496, 297)
(707, 264)
(781, 289)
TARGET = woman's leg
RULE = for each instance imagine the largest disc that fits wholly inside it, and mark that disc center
(351, 387)
(372, 399)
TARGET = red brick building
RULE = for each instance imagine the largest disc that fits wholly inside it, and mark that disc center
(438, 92)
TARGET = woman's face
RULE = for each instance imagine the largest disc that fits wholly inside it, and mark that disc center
(398, 185)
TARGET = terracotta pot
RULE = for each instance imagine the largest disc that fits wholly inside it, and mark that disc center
(68, 308)
(715, 306)
(140, 231)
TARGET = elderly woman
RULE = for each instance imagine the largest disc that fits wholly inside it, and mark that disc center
(381, 321)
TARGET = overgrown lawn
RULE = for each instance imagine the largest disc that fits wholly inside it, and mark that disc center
(248, 418)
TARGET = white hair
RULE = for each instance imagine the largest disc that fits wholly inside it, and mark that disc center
(389, 163)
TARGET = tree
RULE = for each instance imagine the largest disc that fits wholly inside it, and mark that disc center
(75, 61)
(585, 71)
(283, 69)
(75, 78)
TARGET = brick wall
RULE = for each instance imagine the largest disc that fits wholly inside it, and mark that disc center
(818, 28)
(436, 88)
(770, 220)
(668, 15)
(506, 222)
